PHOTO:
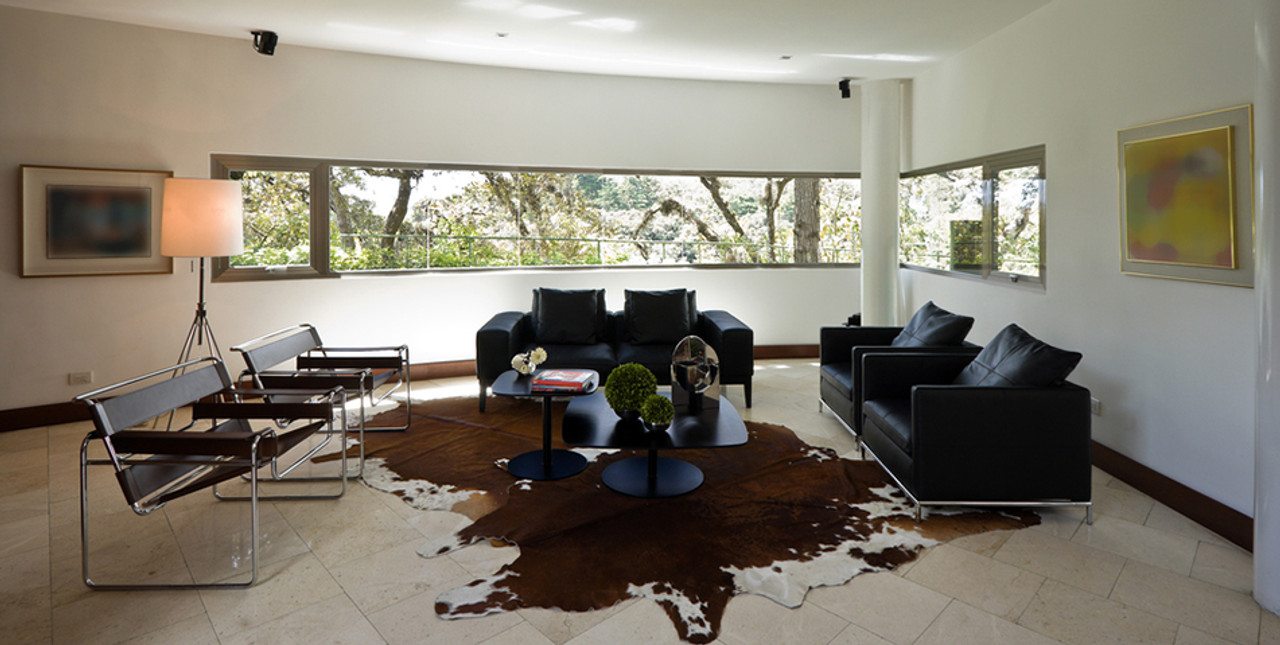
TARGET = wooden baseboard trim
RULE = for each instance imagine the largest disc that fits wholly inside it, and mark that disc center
(446, 369)
(1206, 511)
(43, 415)
(786, 351)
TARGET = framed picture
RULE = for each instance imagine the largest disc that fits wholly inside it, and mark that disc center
(85, 221)
(1186, 198)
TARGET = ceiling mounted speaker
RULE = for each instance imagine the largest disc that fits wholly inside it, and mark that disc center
(264, 42)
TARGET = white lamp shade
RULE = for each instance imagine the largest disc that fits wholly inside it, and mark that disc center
(202, 218)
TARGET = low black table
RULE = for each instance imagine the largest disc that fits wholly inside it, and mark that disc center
(589, 421)
(546, 463)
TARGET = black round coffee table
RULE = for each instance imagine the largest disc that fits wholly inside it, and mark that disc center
(544, 464)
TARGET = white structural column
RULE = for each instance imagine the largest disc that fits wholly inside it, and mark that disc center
(1266, 505)
(881, 163)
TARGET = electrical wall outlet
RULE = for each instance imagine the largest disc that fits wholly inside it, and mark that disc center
(79, 378)
(1095, 406)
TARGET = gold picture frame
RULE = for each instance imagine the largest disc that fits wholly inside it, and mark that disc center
(91, 221)
(1186, 198)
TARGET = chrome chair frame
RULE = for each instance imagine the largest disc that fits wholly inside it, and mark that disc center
(320, 366)
(192, 459)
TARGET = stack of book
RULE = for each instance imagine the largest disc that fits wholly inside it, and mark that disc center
(562, 381)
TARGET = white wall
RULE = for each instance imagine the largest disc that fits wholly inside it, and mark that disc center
(87, 93)
(1172, 362)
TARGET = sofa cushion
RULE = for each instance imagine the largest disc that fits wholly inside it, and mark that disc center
(1015, 357)
(657, 316)
(596, 356)
(932, 325)
(893, 417)
(568, 316)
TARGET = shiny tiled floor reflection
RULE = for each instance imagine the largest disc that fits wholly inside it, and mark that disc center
(346, 571)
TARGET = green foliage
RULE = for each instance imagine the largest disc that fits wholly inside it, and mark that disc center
(657, 410)
(628, 386)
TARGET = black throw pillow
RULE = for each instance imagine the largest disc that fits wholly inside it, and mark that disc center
(1015, 357)
(657, 316)
(932, 326)
(567, 316)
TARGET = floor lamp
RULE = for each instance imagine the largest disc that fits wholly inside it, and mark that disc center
(201, 218)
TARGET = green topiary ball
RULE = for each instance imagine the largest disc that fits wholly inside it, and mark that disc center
(657, 410)
(628, 386)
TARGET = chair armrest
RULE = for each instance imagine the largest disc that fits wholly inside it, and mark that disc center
(315, 379)
(836, 343)
(208, 444)
(267, 410)
(370, 361)
(1013, 442)
(732, 339)
(502, 337)
(892, 375)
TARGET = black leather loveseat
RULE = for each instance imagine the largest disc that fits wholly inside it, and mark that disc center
(577, 331)
(1001, 428)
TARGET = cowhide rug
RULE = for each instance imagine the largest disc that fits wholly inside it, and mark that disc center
(775, 517)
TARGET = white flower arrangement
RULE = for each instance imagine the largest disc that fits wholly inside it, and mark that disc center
(526, 362)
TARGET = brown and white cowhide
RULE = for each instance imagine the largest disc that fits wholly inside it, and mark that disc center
(775, 517)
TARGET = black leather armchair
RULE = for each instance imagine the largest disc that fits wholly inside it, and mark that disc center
(989, 445)
(840, 352)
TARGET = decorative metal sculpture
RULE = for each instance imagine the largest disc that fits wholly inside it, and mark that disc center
(695, 375)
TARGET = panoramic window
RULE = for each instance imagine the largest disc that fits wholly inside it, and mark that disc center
(334, 217)
(982, 217)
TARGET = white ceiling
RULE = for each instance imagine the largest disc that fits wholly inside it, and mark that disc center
(739, 40)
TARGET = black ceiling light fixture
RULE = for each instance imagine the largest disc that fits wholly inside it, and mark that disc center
(845, 91)
(264, 42)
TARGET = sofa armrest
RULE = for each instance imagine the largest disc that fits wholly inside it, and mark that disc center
(502, 337)
(1019, 443)
(836, 343)
(733, 341)
(888, 375)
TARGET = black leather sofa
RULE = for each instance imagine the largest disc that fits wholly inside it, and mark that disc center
(840, 352)
(1002, 428)
(577, 331)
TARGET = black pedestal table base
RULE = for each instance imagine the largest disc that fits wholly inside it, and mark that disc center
(652, 476)
(532, 464)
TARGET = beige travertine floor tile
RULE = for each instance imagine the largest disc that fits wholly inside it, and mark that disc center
(282, 588)
(641, 623)
(24, 535)
(521, 634)
(1204, 606)
(984, 544)
(1062, 522)
(887, 605)
(855, 635)
(562, 626)
(754, 620)
(1138, 542)
(991, 586)
(24, 596)
(1192, 636)
(1269, 634)
(334, 620)
(349, 528)
(961, 624)
(414, 621)
(1100, 477)
(1131, 505)
(216, 542)
(25, 505)
(110, 617)
(1170, 521)
(28, 439)
(1081, 566)
(1070, 615)
(385, 578)
(1225, 566)
(67, 580)
(195, 630)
